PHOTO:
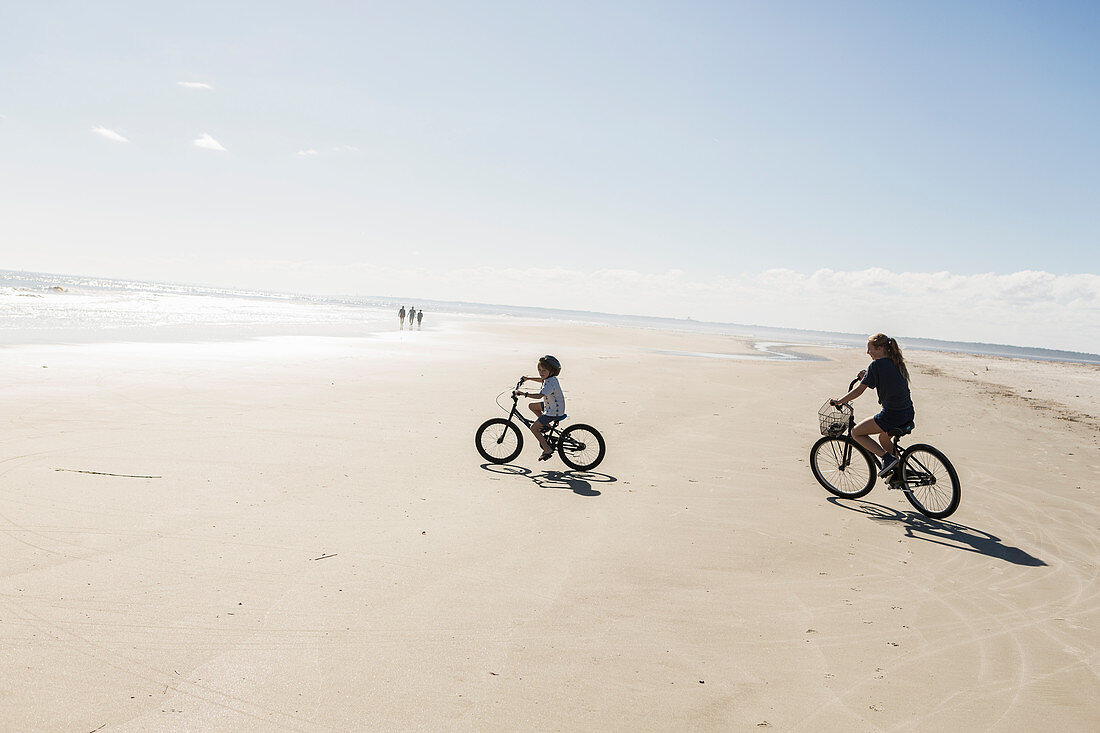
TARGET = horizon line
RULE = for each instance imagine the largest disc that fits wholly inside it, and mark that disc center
(395, 300)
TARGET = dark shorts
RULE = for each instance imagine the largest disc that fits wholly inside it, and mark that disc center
(889, 420)
(547, 419)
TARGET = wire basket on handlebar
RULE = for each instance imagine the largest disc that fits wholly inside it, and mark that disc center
(834, 419)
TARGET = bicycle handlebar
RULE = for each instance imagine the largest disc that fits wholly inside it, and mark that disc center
(515, 397)
(845, 404)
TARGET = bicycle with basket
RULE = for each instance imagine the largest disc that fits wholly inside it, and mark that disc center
(848, 470)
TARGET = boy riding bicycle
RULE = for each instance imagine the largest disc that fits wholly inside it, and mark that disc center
(551, 401)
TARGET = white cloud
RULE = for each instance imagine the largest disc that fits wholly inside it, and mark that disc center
(308, 152)
(109, 134)
(195, 85)
(346, 149)
(208, 143)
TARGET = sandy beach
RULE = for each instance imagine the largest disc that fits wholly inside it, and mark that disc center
(300, 536)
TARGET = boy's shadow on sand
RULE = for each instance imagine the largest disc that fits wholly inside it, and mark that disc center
(579, 482)
(942, 532)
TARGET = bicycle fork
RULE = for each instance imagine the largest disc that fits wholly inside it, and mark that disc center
(847, 459)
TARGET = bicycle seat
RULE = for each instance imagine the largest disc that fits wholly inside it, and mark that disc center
(903, 430)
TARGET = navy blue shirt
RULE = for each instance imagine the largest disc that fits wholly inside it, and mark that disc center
(893, 390)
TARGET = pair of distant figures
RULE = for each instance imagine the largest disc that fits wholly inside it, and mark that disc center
(413, 314)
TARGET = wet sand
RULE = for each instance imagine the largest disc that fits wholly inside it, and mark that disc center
(299, 535)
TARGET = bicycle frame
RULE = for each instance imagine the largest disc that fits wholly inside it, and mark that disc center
(552, 433)
(500, 439)
(922, 472)
(894, 479)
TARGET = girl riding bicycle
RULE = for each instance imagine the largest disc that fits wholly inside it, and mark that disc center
(888, 375)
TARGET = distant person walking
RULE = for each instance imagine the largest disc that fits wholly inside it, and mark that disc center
(412, 316)
(419, 318)
(401, 315)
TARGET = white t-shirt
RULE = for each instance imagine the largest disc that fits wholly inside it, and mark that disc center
(553, 403)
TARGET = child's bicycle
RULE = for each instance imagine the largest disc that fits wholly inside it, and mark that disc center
(499, 440)
(846, 469)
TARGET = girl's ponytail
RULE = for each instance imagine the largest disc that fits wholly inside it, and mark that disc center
(893, 352)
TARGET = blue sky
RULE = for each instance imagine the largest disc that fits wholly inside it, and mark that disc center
(933, 165)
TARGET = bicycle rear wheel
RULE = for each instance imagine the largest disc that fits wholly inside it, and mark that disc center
(581, 447)
(498, 440)
(843, 467)
(931, 484)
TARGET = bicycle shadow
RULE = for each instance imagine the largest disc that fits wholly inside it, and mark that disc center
(579, 482)
(942, 532)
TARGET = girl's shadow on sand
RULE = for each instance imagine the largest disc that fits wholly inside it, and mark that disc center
(579, 482)
(942, 532)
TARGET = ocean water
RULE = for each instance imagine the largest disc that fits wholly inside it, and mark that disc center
(44, 308)
(47, 308)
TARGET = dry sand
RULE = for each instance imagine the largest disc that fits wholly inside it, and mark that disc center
(322, 548)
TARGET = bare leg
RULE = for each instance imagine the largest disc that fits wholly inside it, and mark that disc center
(537, 427)
(863, 432)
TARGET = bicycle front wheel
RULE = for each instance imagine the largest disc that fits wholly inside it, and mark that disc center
(931, 484)
(498, 440)
(843, 467)
(581, 447)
